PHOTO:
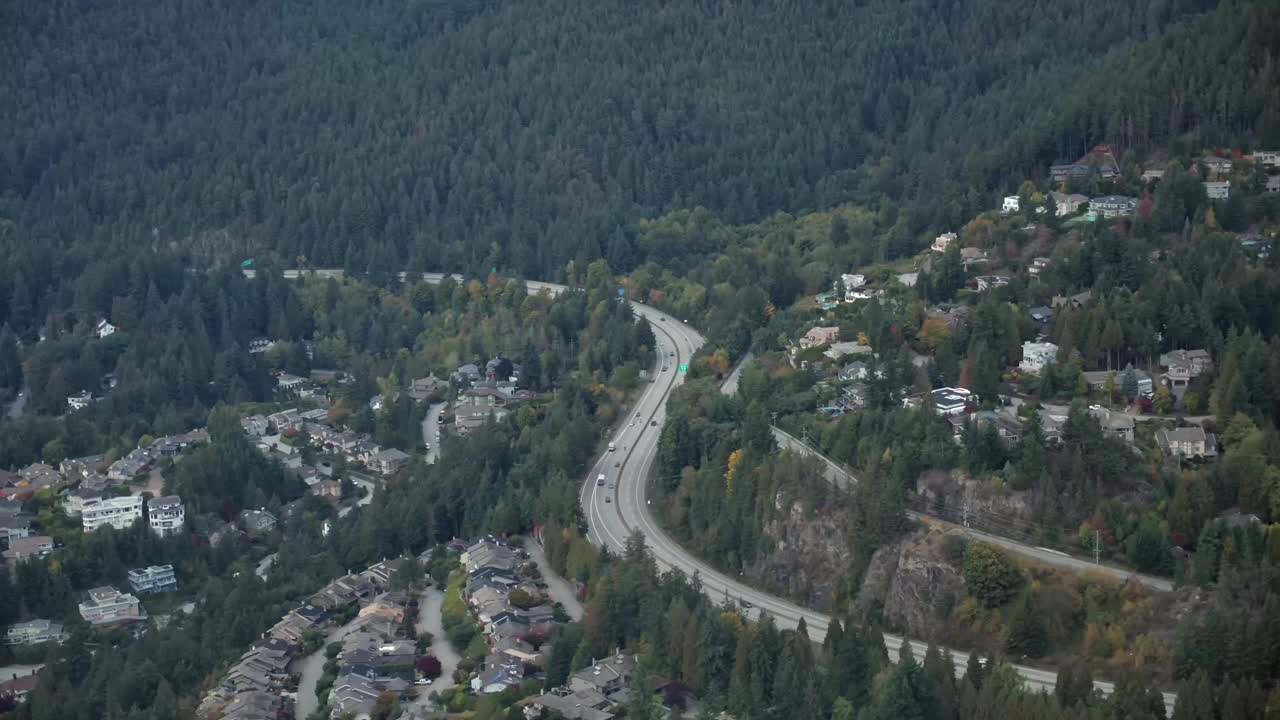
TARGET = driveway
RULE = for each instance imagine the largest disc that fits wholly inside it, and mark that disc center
(368, 486)
(429, 620)
(557, 587)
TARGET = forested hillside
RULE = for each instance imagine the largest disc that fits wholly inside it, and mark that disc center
(525, 135)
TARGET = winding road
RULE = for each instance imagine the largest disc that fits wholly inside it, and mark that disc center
(620, 507)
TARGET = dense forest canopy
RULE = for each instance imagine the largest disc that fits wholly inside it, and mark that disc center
(524, 135)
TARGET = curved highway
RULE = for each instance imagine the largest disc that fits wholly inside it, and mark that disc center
(619, 507)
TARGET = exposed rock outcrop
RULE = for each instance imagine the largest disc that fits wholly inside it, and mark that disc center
(809, 559)
(911, 586)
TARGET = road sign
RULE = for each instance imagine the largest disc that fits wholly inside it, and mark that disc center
(621, 292)
(684, 367)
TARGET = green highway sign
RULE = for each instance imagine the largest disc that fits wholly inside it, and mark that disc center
(684, 367)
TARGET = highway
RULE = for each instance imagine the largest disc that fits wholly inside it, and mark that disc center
(620, 507)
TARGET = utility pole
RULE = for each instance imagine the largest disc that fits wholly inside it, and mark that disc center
(1097, 546)
(965, 511)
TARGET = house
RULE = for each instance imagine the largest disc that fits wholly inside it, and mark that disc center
(153, 579)
(80, 400)
(1111, 206)
(1273, 184)
(819, 336)
(290, 384)
(254, 705)
(856, 370)
(1037, 266)
(469, 417)
(73, 500)
(389, 462)
(105, 605)
(1183, 366)
(1218, 165)
(258, 346)
(25, 548)
(1267, 158)
(908, 279)
(1076, 301)
(1152, 174)
(255, 425)
(853, 397)
(1098, 379)
(34, 632)
(117, 512)
(104, 329)
(353, 695)
(1011, 204)
(973, 256)
(987, 282)
(423, 389)
(17, 688)
(468, 373)
(851, 284)
(1218, 190)
(1008, 427)
(946, 401)
(1037, 355)
(1041, 314)
(1099, 161)
(255, 521)
(607, 677)
(39, 476)
(501, 672)
(327, 489)
(166, 515)
(1116, 424)
(1188, 442)
(285, 421)
(1068, 203)
(14, 527)
(942, 242)
(582, 705)
(840, 350)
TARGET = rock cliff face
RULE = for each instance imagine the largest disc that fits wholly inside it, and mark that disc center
(911, 586)
(809, 559)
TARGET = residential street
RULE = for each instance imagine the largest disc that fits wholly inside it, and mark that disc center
(429, 620)
(431, 431)
(311, 668)
(557, 587)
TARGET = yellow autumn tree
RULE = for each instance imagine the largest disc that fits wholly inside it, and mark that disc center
(735, 460)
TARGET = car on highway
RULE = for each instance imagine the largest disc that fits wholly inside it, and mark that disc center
(612, 447)
(653, 423)
(745, 605)
(600, 479)
(631, 424)
(608, 499)
(618, 464)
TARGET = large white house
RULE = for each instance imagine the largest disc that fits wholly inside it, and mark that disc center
(166, 515)
(104, 329)
(1037, 355)
(1011, 204)
(1218, 190)
(118, 512)
(107, 605)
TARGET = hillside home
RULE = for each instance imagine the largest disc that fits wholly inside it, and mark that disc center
(166, 515)
(1011, 204)
(974, 256)
(942, 242)
(1218, 190)
(1036, 356)
(1111, 206)
(1218, 165)
(946, 401)
(819, 336)
(1097, 379)
(1098, 162)
(1183, 366)
(1116, 424)
(118, 512)
(1037, 266)
(106, 605)
(33, 632)
(1188, 442)
(1068, 203)
(987, 282)
(153, 579)
(1267, 158)
(104, 329)
(25, 548)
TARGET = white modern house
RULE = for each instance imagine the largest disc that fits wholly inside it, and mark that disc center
(1037, 355)
(943, 241)
(118, 512)
(107, 605)
(166, 515)
(33, 632)
(1011, 204)
(153, 579)
(104, 329)
(1218, 190)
